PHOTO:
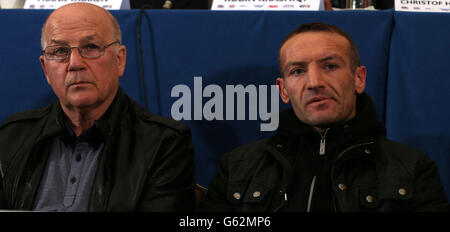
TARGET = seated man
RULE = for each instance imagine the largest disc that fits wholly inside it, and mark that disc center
(330, 152)
(95, 149)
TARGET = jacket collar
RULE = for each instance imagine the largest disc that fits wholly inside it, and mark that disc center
(107, 123)
(111, 119)
(364, 124)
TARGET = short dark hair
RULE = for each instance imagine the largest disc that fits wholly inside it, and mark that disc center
(323, 27)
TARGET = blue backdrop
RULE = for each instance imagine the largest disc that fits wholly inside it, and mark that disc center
(405, 53)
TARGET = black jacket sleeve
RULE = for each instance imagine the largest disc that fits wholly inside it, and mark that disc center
(429, 192)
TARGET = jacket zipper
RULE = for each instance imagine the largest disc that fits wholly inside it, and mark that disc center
(311, 192)
(323, 138)
(322, 146)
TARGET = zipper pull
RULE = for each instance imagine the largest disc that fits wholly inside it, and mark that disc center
(322, 146)
(322, 140)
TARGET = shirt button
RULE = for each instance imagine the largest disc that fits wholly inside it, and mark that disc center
(402, 191)
(342, 187)
(78, 158)
(369, 198)
(237, 195)
(73, 180)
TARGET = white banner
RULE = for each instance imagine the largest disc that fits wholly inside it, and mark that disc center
(54, 4)
(423, 5)
(302, 5)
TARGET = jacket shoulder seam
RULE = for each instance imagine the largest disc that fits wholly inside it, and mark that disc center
(242, 152)
(26, 115)
(165, 122)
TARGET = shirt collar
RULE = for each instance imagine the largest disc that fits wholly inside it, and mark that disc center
(92, 136)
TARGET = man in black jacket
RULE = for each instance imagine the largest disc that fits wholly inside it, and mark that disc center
(95, 149)
(330, 152)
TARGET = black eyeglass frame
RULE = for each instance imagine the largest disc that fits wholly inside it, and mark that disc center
(102, 52)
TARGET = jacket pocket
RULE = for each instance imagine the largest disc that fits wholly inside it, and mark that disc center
(249, 196)
(385, 196)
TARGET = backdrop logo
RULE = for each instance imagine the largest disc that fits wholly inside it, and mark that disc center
(213, 109)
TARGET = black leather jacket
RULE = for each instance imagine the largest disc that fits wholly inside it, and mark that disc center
(368, 173)
(146, 163)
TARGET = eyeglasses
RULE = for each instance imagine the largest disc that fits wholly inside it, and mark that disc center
(90, 50)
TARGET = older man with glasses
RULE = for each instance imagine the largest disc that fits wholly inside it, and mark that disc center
(95, 149)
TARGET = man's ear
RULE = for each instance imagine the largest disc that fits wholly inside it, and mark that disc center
(122, 59)
(360, 79)
(282, 89)
(42, 61)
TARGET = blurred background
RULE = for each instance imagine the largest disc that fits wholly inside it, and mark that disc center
(206, 4)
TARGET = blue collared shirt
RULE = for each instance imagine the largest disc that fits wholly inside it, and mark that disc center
(71, 166)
